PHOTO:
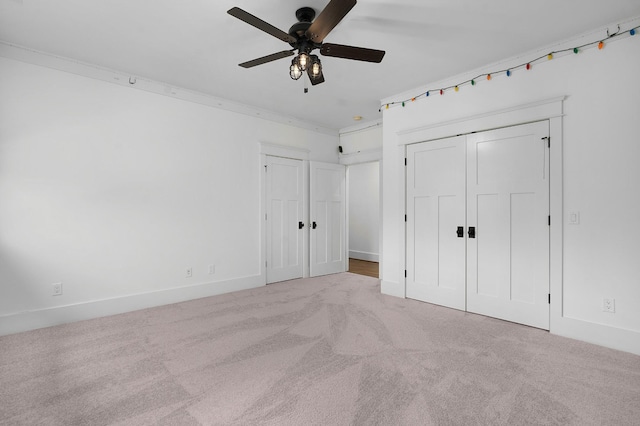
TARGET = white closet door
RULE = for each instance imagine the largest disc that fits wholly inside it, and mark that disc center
(284, 216)
(435, 212)
(328, 219)
(508, 206)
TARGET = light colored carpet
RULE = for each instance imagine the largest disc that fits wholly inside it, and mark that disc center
(325, 351)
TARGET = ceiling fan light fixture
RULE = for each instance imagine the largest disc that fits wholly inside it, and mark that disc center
(316, 66)
(294, 71)
(303, 60)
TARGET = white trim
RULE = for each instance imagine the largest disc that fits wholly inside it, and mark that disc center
(347, 214)
(515, 115)
(392, 289)
(402, 198)
(364, 255)
(306, 252)
(599, 334)
(120, 78)
(262, 223)
(31, 320)
(380, 210)
(360, 157)
(284, 151)
(556, 230)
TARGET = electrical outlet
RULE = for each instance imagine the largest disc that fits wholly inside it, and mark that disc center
(57, 289)
(189, 272)
(212, 269)
(574, 218)
(609, 305)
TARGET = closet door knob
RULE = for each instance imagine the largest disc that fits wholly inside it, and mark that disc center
(314, 226)
(460, 231)
(472, 232)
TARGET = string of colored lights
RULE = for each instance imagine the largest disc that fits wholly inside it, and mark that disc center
(509, 71)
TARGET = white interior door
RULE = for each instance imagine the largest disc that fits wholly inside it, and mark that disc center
(284, 196)
(328, 219)
(508, 205)
(494, 186)
(435, 222)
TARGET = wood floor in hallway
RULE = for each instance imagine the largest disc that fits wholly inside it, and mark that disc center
(363, 267)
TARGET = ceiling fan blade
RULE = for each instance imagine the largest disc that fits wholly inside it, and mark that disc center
(268, 58)
(260, 24)
(315, 80)
(350, 52)
(328, 19)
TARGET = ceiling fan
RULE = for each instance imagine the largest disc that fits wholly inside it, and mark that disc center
(305, 36)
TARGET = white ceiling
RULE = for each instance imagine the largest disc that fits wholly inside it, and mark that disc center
(196, 45)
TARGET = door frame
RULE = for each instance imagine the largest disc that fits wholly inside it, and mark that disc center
(549, 109)
(369, 156)
(274, 150)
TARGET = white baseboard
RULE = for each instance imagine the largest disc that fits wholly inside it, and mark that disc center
(392, 289)
(599, 334)
(31, 320)
(363, 255)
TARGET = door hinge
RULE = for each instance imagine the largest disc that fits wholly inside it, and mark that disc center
(549, 220)
(405, 217)
(405, 273)
(265, 263)
(549, 298)
(265, 167)
(405, 161)
(548, 141)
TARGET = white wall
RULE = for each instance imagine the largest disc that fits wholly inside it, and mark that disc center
(364, 211)
(115, 191)
(361, 139)
(601, 148)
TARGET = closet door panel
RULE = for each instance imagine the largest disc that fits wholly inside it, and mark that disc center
(435, 210)
(508, 205)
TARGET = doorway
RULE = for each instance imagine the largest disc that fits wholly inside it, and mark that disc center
(303, 209)
(364, 218)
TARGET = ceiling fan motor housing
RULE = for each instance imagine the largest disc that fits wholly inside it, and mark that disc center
(298, 30)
